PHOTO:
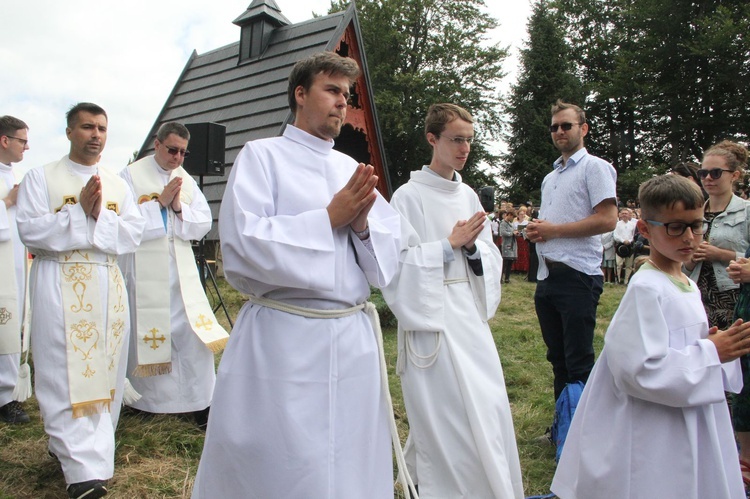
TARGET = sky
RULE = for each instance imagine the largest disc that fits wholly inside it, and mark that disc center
(127, 56)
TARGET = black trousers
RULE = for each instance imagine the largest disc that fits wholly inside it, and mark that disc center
(566, 303)
(507, 268)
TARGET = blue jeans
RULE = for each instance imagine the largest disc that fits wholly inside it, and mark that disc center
(565, 305)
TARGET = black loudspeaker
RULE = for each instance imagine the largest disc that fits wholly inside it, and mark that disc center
(487, 198)
(206, 146)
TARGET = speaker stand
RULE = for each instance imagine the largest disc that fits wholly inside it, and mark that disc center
(204, 269)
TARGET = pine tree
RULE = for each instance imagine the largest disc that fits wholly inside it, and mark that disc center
(546, 74)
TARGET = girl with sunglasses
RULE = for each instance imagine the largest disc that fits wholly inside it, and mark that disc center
(727, 239)
(728, 235)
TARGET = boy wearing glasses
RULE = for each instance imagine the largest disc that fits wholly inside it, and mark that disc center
(653, 419)
(171, 357)
(461, 439)
(13, 143)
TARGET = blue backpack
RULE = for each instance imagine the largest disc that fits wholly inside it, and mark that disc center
(565, 408)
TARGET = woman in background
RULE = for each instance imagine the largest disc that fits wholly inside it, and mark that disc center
(509, 248)
(727, 235)
(726, 241)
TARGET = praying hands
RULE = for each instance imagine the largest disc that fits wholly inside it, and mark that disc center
(91, 197)
(351, 205)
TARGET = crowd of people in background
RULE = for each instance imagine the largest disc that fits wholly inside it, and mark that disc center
(623, 249)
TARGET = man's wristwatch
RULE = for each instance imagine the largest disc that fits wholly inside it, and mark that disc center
(363, 234)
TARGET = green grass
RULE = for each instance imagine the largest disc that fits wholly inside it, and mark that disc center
(528, 376)
(157, 457)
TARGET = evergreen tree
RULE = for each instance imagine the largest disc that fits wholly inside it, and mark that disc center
(664, 78)
(695, 60)
(546, 74)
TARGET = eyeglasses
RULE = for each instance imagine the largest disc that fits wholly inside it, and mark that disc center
(676, 229)
(459, 141)
(565, 126)
(173, 151)
(714, 173)
(22, 141)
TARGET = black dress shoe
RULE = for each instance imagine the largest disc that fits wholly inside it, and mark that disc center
(13, 413)
(90, 489)
(201, 418)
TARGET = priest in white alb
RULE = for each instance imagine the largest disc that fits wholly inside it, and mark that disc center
(13, 143)
(76, 216)
(175, 332)
(461, 442)
(299, 410)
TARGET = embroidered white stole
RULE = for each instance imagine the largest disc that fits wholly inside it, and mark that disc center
(10, 322)
(94, 334)
(153, 314)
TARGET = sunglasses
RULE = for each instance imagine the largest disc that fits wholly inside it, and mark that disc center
(714, 173)
(173, 151)
(565, 126)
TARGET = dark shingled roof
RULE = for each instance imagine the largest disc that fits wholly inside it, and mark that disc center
(249, 97)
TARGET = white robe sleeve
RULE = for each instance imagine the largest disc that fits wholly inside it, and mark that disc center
(295, 251)
(196, 217)
(384, 223)
(415, 295)
(70, 228)
(644, 363)
(150, 211)
(4, 222)
(486, 288)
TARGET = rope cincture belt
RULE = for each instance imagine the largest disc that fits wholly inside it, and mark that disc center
(403, 474)
(425, 361)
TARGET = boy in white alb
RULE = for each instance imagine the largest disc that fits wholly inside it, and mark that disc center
(653, 420)
(461, 440)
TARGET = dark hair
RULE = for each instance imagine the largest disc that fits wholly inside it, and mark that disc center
(9, 124)
(687, 169)
(170, 128)
(439, 115)
(562, 106)
(665, 191)
(72, 115)
(304, 72)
